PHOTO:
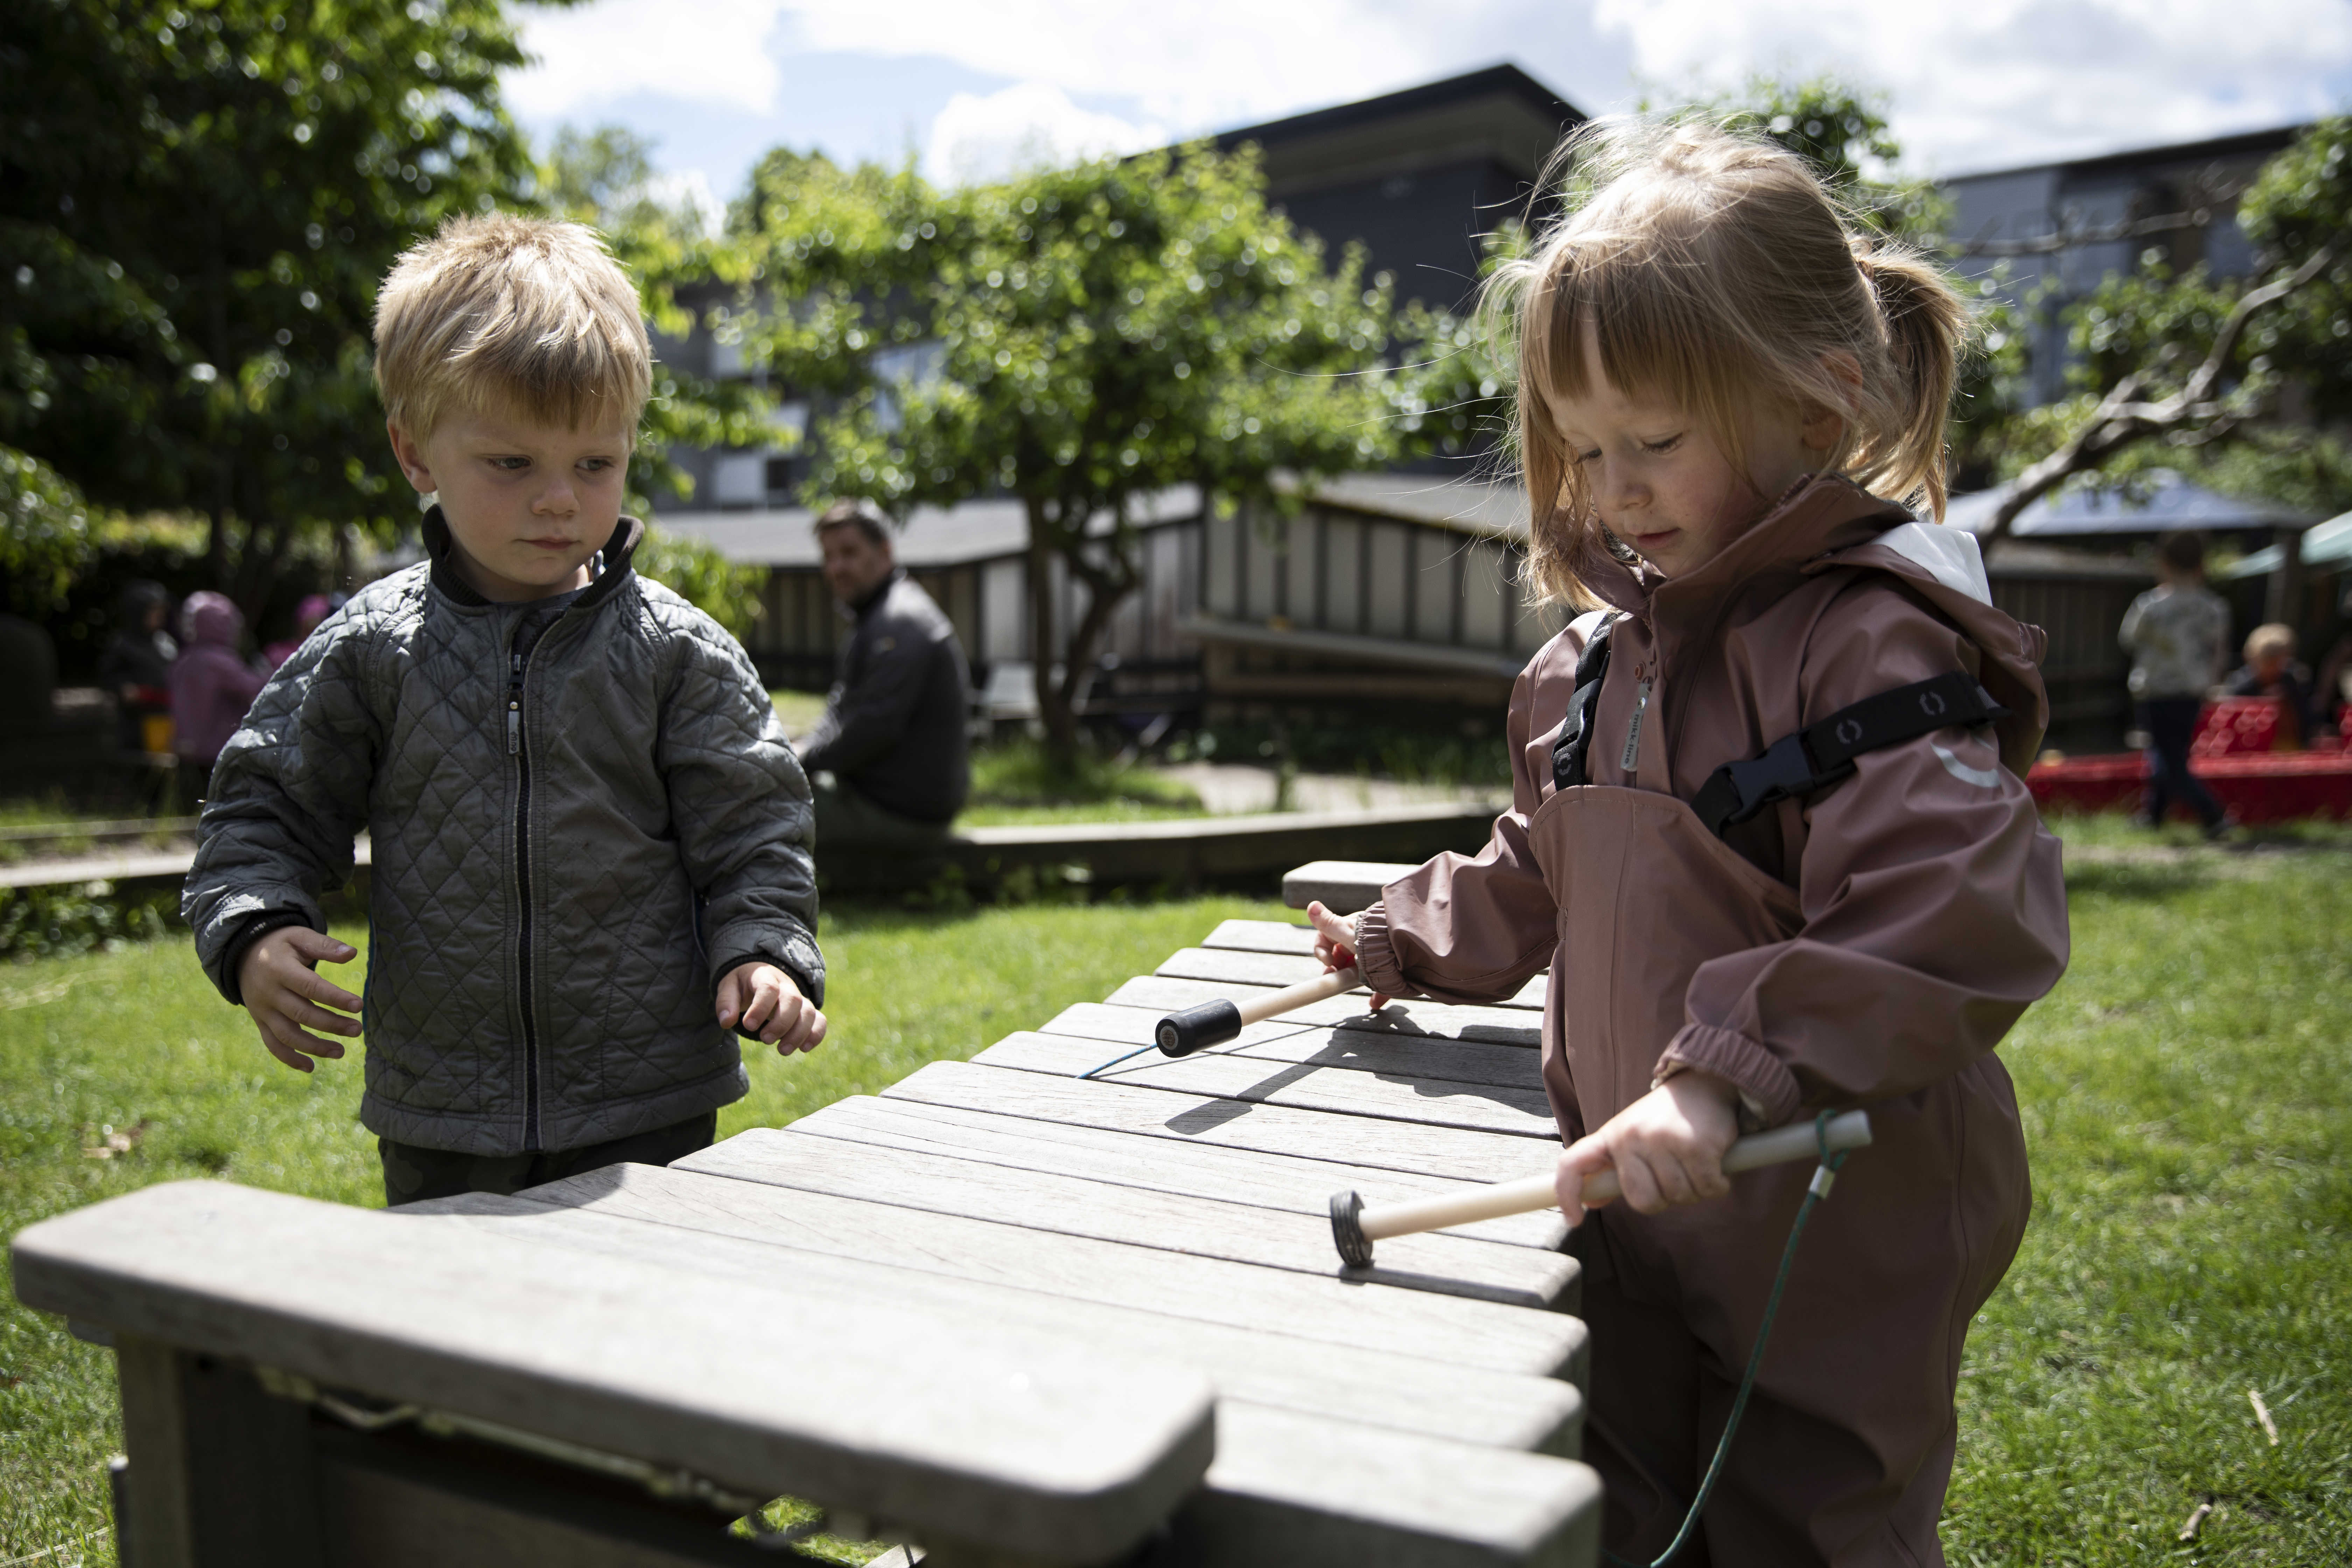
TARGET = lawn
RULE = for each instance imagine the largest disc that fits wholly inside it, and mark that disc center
(2186, 1091)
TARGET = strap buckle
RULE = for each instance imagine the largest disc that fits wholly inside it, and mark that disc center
(1785, 772)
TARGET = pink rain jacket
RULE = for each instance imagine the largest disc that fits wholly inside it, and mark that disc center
(1868, 946)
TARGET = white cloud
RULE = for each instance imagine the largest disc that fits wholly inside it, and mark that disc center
(1205, 63)
(975, 139)
(1973, 83)
(1995, 82)
(586, 55)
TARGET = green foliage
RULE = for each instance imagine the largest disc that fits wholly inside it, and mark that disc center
(45, 922)
(1079, 339)
(695, 572)
(1843, 131)
(45, 530)
(2158, 325)
(196, 202)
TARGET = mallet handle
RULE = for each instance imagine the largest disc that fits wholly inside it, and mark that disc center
(1275, 1004)
(1794, 1141)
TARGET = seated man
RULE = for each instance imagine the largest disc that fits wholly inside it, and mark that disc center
(893, 735)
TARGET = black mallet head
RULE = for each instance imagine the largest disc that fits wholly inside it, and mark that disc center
(1197, 1029)
(1347, 1229)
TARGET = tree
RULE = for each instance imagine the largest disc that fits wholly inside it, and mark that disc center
(1080, 339)
(197, 201)
(2191, 363)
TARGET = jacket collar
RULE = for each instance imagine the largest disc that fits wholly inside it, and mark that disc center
(619, 551)
(1818, 514)
(875, 594)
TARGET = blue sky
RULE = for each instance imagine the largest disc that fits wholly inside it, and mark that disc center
(973, 87)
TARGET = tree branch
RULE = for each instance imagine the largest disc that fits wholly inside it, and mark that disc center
(2121, 419)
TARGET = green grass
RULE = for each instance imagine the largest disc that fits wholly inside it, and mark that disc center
(1012, 782)
(798, 712)
(2188, 1095)
(137, 1038)
(2188, 1101)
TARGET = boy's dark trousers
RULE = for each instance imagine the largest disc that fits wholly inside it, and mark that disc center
(2171, 725)
(411, 1174)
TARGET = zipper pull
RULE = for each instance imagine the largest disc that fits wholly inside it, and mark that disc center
(514, 708)
(1633, 730)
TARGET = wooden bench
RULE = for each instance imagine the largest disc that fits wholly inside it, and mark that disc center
(1000, 1312)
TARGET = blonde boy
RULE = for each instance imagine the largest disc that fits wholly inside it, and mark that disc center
(590, 838)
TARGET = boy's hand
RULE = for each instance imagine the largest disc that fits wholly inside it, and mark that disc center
(1335, 941)
(771, 1007)
(1668, 1147)
(287, 997)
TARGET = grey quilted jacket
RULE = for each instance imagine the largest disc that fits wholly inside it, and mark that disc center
(559, 868)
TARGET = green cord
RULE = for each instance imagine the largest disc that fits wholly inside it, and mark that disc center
(1815, 1193)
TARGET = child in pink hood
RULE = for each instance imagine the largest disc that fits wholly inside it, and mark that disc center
(1769, 836)
(211, 684)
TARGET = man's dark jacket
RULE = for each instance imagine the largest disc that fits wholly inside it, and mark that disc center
(560, 867)
(893, 725)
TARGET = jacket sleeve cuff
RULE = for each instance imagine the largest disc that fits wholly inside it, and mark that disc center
(1376, 955)
(793, 951)
(233, 955)
(1757, 1073)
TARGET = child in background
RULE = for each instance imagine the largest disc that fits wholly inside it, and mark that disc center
(590, 839)
(2271, 671)
(136, 668)
(1717, 372)
(2177, 634)
(314, 608)
(211, 682)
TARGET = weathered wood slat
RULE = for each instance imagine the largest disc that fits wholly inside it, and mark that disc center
(1287, 1183)
(1260, 1364)
(1262, 936)
(1287, 1490)
(1285, 969)
(1301, 1492)
(1413, 1147)
(1395, 1054)
(1158, 994)
(1076, 1206)
(1375, 1317)
(1524, 1112)
(976, 1431)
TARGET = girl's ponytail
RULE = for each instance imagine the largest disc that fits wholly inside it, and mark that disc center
(1927, 326)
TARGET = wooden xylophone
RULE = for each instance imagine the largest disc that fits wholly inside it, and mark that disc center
(999, 1313)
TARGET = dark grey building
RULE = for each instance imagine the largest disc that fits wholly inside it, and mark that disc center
(2065, 226)
(1416, 176)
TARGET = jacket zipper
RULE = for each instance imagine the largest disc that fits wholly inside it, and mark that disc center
(522, 884)
(1629, 761)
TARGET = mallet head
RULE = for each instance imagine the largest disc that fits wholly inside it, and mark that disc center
(1348, 1230)
(1197, 1029)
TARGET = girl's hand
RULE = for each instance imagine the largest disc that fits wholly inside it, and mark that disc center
(1335, 936)
(1667, 1147)
(1335, 942)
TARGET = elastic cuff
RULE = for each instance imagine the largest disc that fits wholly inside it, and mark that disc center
(1376, 957)
(1746, 1065)
(799, 958)
(256, 926)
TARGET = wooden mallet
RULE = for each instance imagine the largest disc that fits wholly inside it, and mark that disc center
(1356, 1227)
(1215, 1023)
